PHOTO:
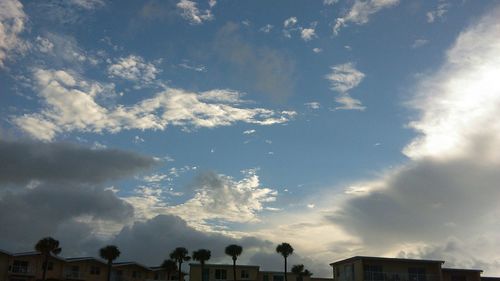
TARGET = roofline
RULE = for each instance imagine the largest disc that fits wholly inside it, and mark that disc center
(35, 253)
(384, 259)
(131, 263)
(224, 264)
(5, 252)
(85, 259)
(461, 269)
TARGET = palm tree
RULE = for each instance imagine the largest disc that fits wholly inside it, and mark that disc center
(109, 253)
(234, 251)
(47, 246)
(202, 255)
(180, 255)
(169, 266)
(298, 270)
(285, 250)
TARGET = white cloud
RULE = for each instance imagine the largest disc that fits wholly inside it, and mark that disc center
(330, 2)
(249, 132)
(361, 11)
(197, 68)
(12, 23)
(419, 43)
(344, 77)
(212, 3)
(308, 34)
(133, 68)
(313, 105)
(190, 12)
(439, 12)
(317, 50)
(44, 45)
(348, 103)
(71, 105)
(290, 22)
(88, 4)
(266, 28)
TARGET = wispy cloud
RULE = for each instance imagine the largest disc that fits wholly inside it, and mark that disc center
(361, 11)
(308, 34)
(133, 68)
(266, 28)
(439, 12)
(343, 78)
(12, 23)
(419, 43)
(190, 12)
(71, 105)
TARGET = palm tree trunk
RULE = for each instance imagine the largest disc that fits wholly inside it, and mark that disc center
(45, 263)
(202, 265)
(109, 270)
(286, 278)
(180, 270)
(234, 269)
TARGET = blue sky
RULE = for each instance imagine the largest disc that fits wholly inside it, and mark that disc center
(255, 119)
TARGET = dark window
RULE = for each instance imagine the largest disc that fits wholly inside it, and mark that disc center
(373, 272)
(20, 266)
(220, 274)
(95, 270)
(349, 272)
(265, 277)
(416, 274)
(458, 278)
(278, 278)
(245, 274)
(205, 275)
(136, 274)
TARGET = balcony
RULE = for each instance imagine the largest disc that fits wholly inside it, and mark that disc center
(21, 270)
(398, 276)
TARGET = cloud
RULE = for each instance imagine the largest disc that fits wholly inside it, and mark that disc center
(263, 69)
(419, 43)
(71, 104)
(308, 34)
(26, 161)
(452, 174)
(88, 4)
(343, 78)
(317, 50)
(249, 132)
(67, 12)
(313, 105)
(133, 68)
(439, 12)
(191, 13)
(330, 2)
(361, 11)
(290, 22)
(266, 28)
(197, 68)
(12, 24)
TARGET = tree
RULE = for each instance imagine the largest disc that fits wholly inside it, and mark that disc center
(47, 246)
(234, 251)
(169, 266)
(202, 255)
(109, 253)
(180, 255)
(285, 250)
(298, 270)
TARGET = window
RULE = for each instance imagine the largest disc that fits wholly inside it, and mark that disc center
(50, 266)
(245, 274)
(265, 277)
(220, 274)
(136, 274)
(373, 273)
(95, 270)
(278, 278)
(205, 275)
(416, 274)
(349, 272)
(74, 272)
(458, 278)
(20, 266)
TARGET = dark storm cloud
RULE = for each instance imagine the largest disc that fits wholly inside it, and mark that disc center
(23, 161)
(266, 70)
(425, 201)
(151, 241)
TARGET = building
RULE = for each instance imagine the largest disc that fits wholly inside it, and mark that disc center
(86, 268)
(279, 276)
(4, 264)
(217, 272)
(28, 266)
(131, 271)
(362, 268)
(455, 274)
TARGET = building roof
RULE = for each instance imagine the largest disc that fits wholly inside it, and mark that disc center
(385, 259)
(35, 253)
(127, 263)
(5, 252)
(225, 265)
(461, 269)
(85, 259)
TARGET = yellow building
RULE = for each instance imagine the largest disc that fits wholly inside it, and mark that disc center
(361, 268)
(86, 268)
(130, 271)
(29, 267)
(219, 272)
(279, 276)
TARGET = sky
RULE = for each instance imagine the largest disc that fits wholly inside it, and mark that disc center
(356, 127)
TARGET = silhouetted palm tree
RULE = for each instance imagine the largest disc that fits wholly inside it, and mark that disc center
(180, 255)
(47, 246)
(298, 270)
(234, 251)
(169, 266)
(109, 253)
(202, 255)
(285, 250)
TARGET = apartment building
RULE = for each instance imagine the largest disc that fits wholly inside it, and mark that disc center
(131, 271)
(456, 274)
(279, 276)
(4, 264)
(219, 272)
(362, 268)
(85, 268)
